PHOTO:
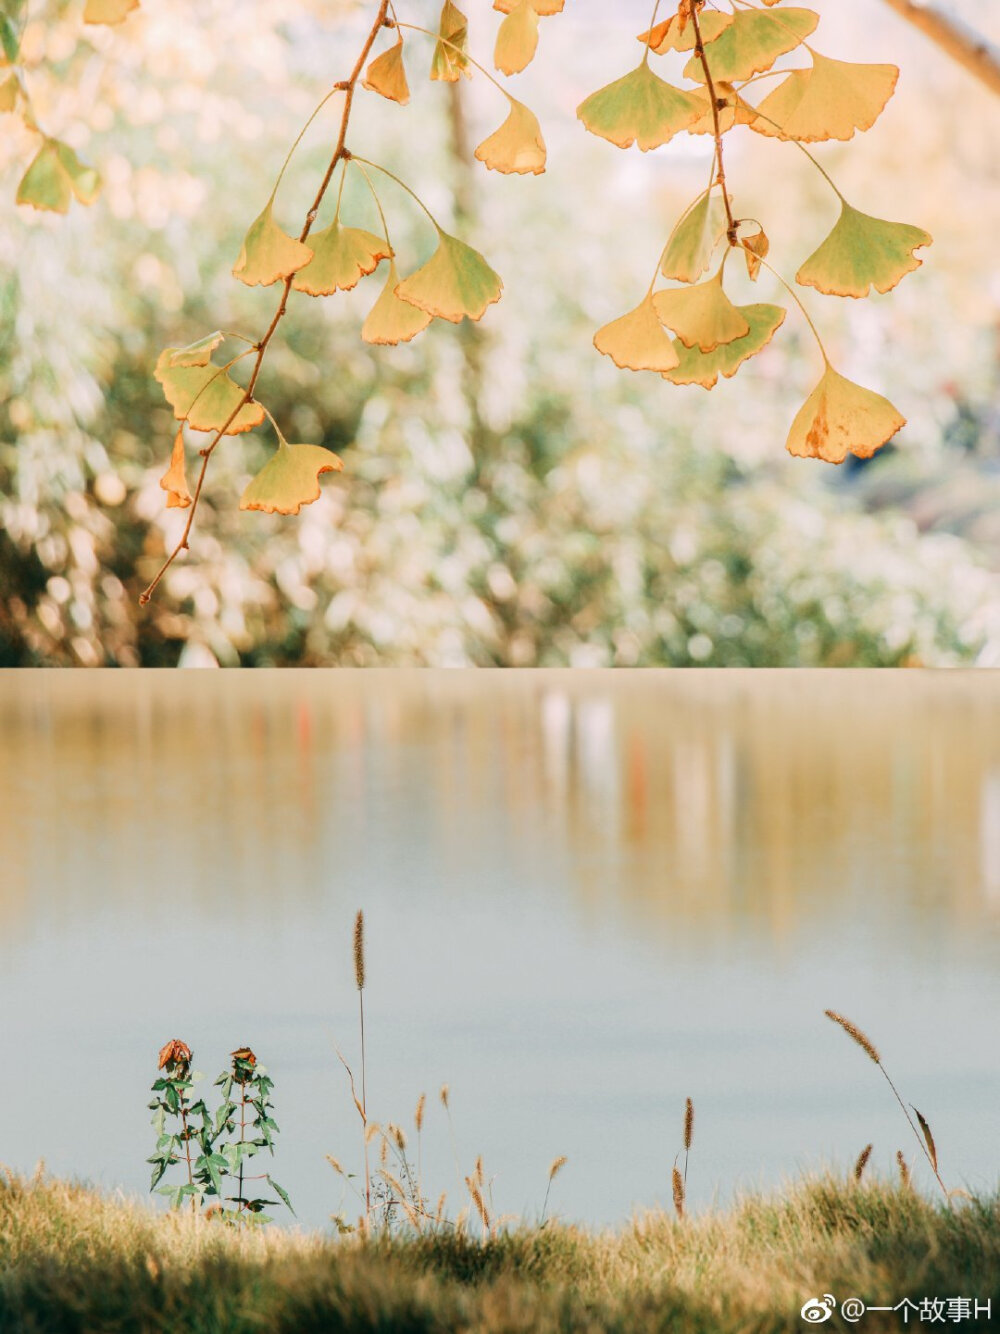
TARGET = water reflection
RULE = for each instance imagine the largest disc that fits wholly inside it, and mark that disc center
(592, 894)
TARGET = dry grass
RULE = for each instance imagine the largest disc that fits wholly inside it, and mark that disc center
(74, 1260)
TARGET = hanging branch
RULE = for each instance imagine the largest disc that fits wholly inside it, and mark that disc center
(954, 36)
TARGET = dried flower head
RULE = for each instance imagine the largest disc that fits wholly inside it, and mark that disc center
(444, 1096)
(174, 1053)
(688, 1123)
(862, 1163)
(557, 1166)
(419, 1115)
(678, 1185)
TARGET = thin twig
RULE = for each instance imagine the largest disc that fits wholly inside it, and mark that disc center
(347, 87)
(699, 47)
(954, 37)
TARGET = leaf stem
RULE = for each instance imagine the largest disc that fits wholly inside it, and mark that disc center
(401, 183)
(795, 297)
(699, 47)
(348, 86)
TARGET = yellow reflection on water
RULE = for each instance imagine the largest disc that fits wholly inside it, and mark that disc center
(699, 798)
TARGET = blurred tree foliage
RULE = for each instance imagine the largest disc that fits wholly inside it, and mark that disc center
(505, 500)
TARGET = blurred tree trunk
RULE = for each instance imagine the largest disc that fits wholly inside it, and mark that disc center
(470, 334)
(954, 36)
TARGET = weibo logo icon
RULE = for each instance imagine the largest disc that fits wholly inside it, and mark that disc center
(818, 1309)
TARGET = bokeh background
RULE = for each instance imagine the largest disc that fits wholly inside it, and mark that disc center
(509, 497)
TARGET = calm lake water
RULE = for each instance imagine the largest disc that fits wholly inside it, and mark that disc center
(588, 895)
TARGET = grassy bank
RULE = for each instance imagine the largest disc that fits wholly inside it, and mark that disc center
(73, 1260)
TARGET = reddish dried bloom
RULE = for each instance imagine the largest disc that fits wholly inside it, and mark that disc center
(174, 1053)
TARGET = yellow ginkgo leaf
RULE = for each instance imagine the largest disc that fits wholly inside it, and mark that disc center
(390, 320)
(731, 108)
(342, 256)
(694, 238)
(640, 108)
(454, 283)
(517, 146)
(704, 368)
(831, 100)
(289, 479)
(54, 176)
(637, 341)
(541, 7)
(174, 480)
(268, 253)
(449, 61)
(206, 397)
(839, 418)
(752, 43)
(198, 353)
(8, 93)
(672, 35)
(863, 252)
(701, 315)
(517, 39)
(108, 11)
(387, 75)
(755, 250)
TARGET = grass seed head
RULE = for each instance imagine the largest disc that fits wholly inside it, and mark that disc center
(688, 1123)
(359, 950)
(862, 1163)
(852, 1030)
(678, 1185)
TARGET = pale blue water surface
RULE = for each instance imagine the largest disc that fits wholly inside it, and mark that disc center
(587, 896)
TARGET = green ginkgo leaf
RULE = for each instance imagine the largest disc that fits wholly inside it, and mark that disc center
(704, 368)
(517, 39)
(637, 341)
(54, 176)
(517, 146)
(108, 11)
(268, 253)
(289, 479)
(831, 100)
(863, 252)
(198, 353)
(839, 418)
(9, 90)
(206, 397)
(10, 40)
(342, 256)
(752, 43)
(701, 316)
(692, 242)
(391, 321)
(639, 108)
(449, 61)
(454, 283)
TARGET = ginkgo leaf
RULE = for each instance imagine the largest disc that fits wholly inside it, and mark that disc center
(198, 353)
(455, 282)
(831, 100)
(755, 250)
(517, 39)
(206, 397)
(839, 418)
(174, 480)
(670, 35)
(731, 108)
(640, 108)
(342, 256)
(637, 341)
(449, 61)
(541, 7)
(863, 252)
(694, 238)
(268, 253)
(10, 41)
(390, 320)
(289, 479)
(752, 43)
(54, 176)
(701, 315)
(8, 93)
(704, 368)
(387, 75)
(517, 146)
(108, 11)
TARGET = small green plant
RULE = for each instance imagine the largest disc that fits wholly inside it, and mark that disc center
(205, 1143)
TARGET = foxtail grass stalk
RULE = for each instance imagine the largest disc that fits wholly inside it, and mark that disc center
(359, 977)
(869, 1048)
